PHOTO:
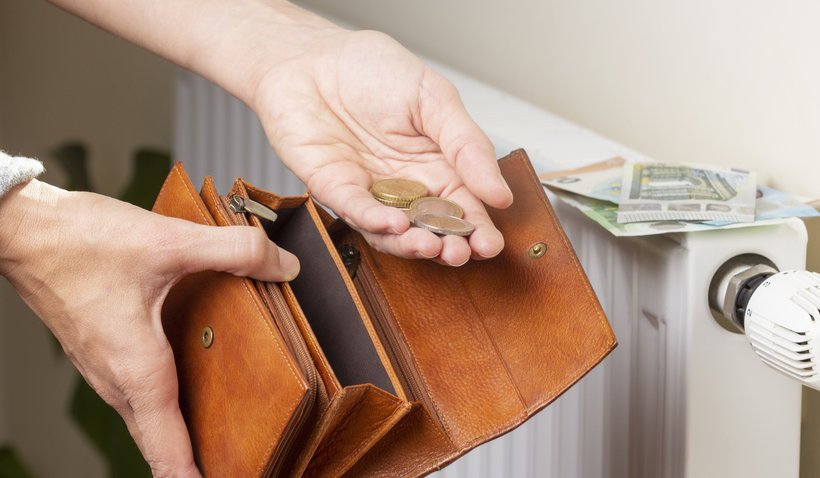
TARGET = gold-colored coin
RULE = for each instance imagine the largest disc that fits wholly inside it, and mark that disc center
(437, 206)
(394, 203)
(444, 225)
(398, 192)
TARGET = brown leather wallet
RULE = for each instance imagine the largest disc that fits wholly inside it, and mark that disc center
(367, 364)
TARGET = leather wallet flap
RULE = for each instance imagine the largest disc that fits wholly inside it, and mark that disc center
(235, 371)
(491, 343)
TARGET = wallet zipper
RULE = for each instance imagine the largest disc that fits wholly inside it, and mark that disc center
(241, 205)
(386, 328)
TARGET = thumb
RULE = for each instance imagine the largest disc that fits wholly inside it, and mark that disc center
(464, 144)
(240, 250)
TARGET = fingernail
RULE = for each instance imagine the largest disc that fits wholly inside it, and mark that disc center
(421, 255)
(459, 265)
(289, 264)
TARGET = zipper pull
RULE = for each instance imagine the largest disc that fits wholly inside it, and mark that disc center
(241, 205)
(350, 258)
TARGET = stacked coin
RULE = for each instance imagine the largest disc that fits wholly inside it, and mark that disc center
(437, 215)
(398, 192)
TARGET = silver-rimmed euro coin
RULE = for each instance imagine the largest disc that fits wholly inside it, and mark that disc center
(437, 206)
(444, 225)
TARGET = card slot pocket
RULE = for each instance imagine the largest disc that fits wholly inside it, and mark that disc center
(328, 306)
(358, 417)
(352, 421)
(328, 376)
(235, 370)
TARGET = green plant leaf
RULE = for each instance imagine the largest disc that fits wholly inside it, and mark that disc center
(10, 464)
(150, 168)
(107, 431)
(73, 159)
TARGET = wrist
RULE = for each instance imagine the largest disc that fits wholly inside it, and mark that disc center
(232, 43)
(256, 37)
(28, 212)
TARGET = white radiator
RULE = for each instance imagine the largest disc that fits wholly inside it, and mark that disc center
(680, 396)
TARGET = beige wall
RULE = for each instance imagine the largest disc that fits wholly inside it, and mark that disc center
(735, 82)
(61, 79)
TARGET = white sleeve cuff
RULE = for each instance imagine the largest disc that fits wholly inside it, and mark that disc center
(16, 170)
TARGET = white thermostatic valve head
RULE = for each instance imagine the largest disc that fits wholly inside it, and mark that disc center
(782, 322)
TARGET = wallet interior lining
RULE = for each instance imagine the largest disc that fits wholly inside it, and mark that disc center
(327, 303)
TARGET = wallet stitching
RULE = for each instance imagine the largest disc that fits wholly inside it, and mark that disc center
(445, 422)
(158, 204)
(312, 339)
(190, 194)
(574, 259)
(324, 422)
(342, 422)
(274, 197)
(339, 423)
(359, 452)
(261, 317)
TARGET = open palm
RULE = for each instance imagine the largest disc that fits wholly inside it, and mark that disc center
(357, 108)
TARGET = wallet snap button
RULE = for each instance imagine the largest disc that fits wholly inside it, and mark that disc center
(538, 250)
(207, 337)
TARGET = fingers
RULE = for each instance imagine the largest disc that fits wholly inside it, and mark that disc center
(358, 208)
(163, 439)
(415, 243)
(344, 187)
(486, 241)
(150, 408)
(240, 250)
(463, 143)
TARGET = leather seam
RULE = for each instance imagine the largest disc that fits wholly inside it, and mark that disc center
(363, 448)
(322, 433)
(275, 197)
(190, 194)
(445, 422)
(312, 339)
(158, 204)
(574, 259)
(340, 422)
(261, 316)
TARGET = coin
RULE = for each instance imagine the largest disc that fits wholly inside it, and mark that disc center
(394, 203)
(437, 206)
(444, 225)
(398, 192)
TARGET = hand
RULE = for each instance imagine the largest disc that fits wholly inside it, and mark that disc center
(97, 271)
(356, 107)
(342, 109)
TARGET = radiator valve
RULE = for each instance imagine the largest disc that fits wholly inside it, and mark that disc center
(778, 312)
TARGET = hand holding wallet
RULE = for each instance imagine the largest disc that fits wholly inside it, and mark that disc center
(367, 364)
